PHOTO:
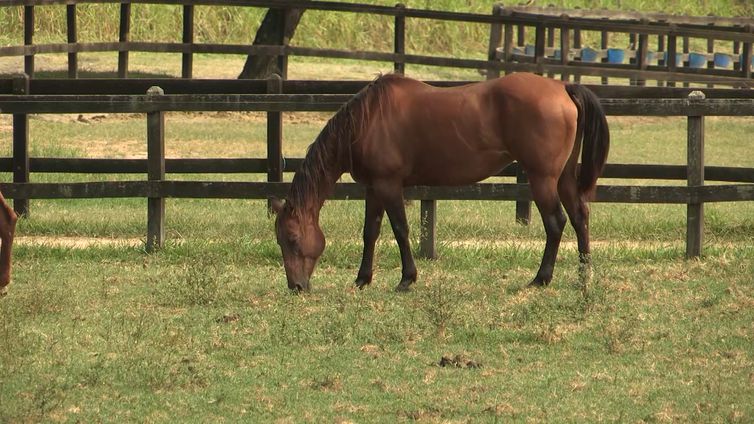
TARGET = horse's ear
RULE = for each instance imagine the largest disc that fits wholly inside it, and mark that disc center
(276, 205)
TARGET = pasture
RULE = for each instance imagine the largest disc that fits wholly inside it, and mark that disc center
(94, 329)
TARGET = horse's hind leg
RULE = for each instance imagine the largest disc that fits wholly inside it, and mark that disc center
(578, 213)
(373, 213)
(392, 198)
(544, 191)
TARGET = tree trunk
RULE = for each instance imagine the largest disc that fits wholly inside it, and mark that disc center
(277, 29)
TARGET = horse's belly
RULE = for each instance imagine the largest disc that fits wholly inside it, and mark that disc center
(458, 170)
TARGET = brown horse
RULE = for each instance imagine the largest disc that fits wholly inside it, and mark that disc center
(8, 220)
(399, 132)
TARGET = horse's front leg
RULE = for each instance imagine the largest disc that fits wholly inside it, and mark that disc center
(373, 213)
(392, 199)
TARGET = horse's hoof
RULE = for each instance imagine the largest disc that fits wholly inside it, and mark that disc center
(537, 282)
(403, 286)
(360, 284)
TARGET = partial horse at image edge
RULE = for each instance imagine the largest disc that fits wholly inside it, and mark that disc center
(399, 132)
(8, 219)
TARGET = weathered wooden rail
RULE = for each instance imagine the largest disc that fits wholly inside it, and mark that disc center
(555, 48)
(276, 96)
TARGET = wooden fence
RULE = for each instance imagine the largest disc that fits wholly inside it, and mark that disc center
(555, 48)
(275, 96)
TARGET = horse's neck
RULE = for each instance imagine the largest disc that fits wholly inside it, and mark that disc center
(318, 183)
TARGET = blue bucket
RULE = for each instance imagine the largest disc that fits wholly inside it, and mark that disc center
(589, 55)
(697, 60)
(615, 55)
(556, 54)
(723, 60)
(529, 50)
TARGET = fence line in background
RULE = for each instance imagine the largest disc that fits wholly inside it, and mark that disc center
(157, 187)
(570, 59)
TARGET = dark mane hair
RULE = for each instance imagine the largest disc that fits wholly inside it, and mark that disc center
(331, 150)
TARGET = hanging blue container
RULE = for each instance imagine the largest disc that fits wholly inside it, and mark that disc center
(723, 60)
(589, 55)
(697, 60)
(615, 55)
(529, 51)
(556, 54)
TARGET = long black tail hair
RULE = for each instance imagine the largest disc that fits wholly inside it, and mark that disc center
(592, 125)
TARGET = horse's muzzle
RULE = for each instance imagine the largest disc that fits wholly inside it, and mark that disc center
(299, 287)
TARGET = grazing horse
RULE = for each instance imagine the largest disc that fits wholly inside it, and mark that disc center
(8, 220)
(400, 132)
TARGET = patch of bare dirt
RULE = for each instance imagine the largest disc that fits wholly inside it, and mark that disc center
(76, 242)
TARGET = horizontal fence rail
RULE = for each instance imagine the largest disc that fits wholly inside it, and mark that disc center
(275, 96)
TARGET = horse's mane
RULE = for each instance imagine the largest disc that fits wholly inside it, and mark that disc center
(331, 150)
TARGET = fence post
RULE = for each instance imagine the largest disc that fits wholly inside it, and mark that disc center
(284, 40)
(274, 134)
(641, 55)
(496, 37)
(155, 172)
(187, 65)
(661, 49)
(520, 35)
(565, 48)
(711, 50)
(539, 48)
(400, 40)
(695, 176)
(428, 232)
(123, 36)
(685, 47)
(672, 62)
(29, 39)
(523, 207)
(21, 146)
(550, 44)
(577, 45)
(507, 39)
(604, 44)
(746, 56)
(73, 59)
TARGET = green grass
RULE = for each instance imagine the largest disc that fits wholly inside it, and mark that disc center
(205, 329)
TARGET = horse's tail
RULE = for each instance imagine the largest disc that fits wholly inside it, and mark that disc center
(592, 124)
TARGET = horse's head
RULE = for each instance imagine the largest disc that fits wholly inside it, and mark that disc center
(301, 242)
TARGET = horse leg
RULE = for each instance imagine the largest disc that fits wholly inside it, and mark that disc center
(8, 220)
(373, 213)
(578, 213)
(546, 198)
(392, 198)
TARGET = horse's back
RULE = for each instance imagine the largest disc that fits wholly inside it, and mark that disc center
(459, 135)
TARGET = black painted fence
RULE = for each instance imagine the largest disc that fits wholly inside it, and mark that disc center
(555, 48)
(275, 96)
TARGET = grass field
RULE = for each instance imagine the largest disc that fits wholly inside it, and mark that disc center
(94, 329)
